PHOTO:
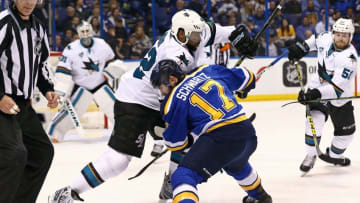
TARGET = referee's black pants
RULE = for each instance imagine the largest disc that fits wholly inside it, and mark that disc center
(25, 155)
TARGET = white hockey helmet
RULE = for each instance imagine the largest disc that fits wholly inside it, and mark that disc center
(189, 21)
(85, 30)
(345, 26)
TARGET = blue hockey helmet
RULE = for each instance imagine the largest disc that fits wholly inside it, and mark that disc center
(162, 71)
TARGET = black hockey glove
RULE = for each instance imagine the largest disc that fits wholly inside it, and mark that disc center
(242, 94)
(311, 94)
(243, 42)
(298, 50)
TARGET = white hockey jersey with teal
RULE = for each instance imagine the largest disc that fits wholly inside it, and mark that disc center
(85, 65)
(203, 102)
(334, 66)
(135, 86)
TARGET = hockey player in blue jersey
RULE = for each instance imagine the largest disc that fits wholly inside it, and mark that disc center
(201, 111)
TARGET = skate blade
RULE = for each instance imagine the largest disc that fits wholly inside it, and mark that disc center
(165, 201)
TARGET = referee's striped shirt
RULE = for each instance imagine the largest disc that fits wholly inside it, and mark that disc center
(24, 50)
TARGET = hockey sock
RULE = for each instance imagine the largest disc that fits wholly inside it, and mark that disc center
(175, 158)
(109, 165)
(184, 181)
(319, 121)
(339, 145)
(249, 181)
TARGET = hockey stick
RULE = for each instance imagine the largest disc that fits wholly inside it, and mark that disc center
(74, 117)
(251, 118)
(267, 23)
(321, 155)
(264, 68)
(321, 100)
(149, 164)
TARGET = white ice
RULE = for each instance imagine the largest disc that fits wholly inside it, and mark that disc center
(279, 153)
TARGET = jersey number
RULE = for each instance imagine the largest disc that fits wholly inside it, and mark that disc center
(145, 64)
(347, 73)
(197, 100)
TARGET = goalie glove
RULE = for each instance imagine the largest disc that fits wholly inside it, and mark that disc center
(311, 94)
(243, 42)
(113, 71)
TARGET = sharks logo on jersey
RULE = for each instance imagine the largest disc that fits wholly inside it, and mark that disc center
(183, 59)
(91, 66)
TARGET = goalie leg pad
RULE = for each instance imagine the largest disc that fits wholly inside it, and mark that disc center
(105, 98)
(114, 71)
(61, 123)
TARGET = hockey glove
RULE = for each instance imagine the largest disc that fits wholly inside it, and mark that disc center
(298, 50)
(243, 42)
(311, 94)
(242, 94)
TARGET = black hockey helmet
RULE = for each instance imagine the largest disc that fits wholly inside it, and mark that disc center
(162, 71)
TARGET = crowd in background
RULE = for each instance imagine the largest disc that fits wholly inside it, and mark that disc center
(128, 23)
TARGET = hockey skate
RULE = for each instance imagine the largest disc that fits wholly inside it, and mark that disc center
(264, 198)
(307, 164)
(157, 149)
(344, 161)
(166, 189)
(64, 195)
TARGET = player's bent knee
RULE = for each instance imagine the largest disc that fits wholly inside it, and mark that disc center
(184, 175)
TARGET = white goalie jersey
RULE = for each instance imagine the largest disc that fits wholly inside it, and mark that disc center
(135, 86)
(340, 66)
(85, 65)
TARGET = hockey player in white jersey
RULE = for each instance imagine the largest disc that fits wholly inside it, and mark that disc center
(80, 76)
(137, 102)
(337, 67)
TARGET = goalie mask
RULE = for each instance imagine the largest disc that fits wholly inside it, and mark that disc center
(189, 21)
(85, 32)
(343, 25)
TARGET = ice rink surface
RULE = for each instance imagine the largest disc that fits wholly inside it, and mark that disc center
(277, 159)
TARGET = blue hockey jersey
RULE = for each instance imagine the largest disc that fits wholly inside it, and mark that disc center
(203, 102)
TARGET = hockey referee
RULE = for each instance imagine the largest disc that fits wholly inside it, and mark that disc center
(25, 150)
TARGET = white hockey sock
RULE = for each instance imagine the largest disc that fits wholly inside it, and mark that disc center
(319, 121)
(110, 164)
(339, 145)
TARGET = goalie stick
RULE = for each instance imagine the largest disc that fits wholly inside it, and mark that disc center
(321, 155)
(267, 23)
(251, 118)
(322, 100)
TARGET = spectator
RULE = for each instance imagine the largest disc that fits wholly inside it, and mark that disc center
(142, 43)
(95, 14)
(292, 11)
(110, 36)
(59, 44)
(96, 26)
(320, 26)
(350, 13)
(81, 9)
(248, 11)
(178, 7)
(120, 30)
(286, 32)
(300, 30)
(259, 17)
(227, 7)
(75, 21)
(356, 37)
(63, 21)
(312, 12)
(121, 51)
(68, 35)
(195, 5)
